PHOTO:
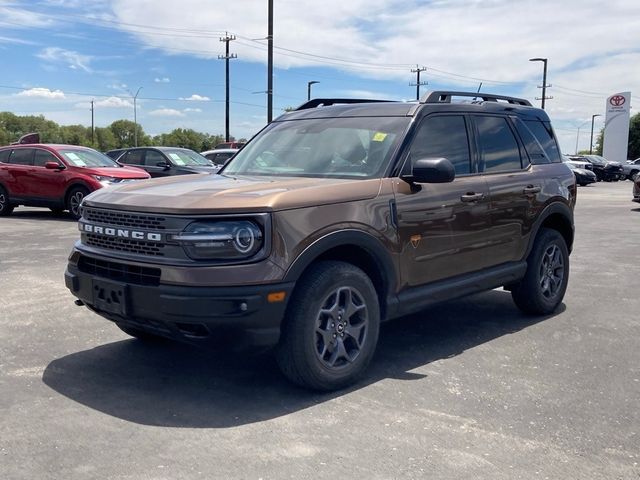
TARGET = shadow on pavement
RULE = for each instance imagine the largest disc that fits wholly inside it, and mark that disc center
(42, 214)
(172, 385)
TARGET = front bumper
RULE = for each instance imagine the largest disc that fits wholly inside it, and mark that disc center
(191, 314)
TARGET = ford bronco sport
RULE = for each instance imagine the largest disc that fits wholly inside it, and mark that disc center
(335, 217)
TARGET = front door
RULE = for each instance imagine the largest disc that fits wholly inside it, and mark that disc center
(443, 228)
(49, 184)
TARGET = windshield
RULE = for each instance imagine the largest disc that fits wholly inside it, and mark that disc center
(188, 158)
(87, 158)
(356, 147)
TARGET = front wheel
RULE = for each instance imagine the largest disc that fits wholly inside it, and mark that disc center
(545, 282)
(74, 199)
(331, 327)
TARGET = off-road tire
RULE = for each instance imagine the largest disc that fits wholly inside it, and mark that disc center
(545, 282)
(314, 327)
(5, 204)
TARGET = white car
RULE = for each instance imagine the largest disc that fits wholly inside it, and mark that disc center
(219, 156)
(577, 163)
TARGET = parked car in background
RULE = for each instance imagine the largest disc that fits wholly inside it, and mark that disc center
(237, 145)
(56, 176)
(115, 153)
(631, 168)
(636, 189)
(604, 169)
(583, 177)
(166, 161)
(219, 156)
(583, 164)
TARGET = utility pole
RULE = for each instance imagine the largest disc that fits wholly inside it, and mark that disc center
(312, 82)
(226, 57)
(270, 64)
(418, 82)
(92, 124)
(544, 80)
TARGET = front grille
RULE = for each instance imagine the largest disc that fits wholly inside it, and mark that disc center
(119, 271)
(125, 245)
(124, 219)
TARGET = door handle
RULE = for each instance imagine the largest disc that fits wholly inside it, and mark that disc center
(472, 197)
(532, 189)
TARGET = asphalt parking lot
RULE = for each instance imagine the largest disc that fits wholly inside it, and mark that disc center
(468, 389)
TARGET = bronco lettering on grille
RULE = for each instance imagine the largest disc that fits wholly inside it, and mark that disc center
(121, 233)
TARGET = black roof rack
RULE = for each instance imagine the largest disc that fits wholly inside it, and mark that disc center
(445, 97)
(325, 102)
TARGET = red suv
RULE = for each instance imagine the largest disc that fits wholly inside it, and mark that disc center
(56, 176)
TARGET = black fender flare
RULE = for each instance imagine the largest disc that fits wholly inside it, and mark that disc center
(349, 237)
(554, 208)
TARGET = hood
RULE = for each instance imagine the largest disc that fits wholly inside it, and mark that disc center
(199, 194)
(116, 172)
(199, 168)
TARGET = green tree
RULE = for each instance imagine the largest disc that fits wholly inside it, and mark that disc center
(123, 132)
(634, 137)
(104, 139)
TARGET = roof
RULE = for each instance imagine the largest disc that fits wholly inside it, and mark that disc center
(52, 146)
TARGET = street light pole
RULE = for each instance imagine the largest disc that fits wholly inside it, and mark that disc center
(135, 117)
(593, 117)
(312, 82)
(544, 78)
(270, 62)
(578, 134)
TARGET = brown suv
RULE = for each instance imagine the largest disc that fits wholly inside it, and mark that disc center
(335, 217)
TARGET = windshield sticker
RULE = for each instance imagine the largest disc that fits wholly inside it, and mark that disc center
(176, 159)
(379, 137)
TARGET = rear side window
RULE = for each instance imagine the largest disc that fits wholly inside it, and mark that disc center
(443, 136)
(4, 155)
(499, 150)
(535, 151)
(544, 135)
(134, 157)
(42, 157)
(22, 156)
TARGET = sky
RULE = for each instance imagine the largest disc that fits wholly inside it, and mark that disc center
(59, 55)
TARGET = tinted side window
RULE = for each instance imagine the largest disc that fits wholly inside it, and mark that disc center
(42, 157)
(134, 157)
(4, 155)
(532, 146)
(544, 134)
(22, 156)
(152, 158)
(443, 136)
(499, 149)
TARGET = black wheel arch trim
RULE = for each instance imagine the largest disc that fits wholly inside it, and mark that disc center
(73, 185)
(555, 208)
(356, 238)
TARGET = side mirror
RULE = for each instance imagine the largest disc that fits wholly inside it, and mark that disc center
(431, 170)
(165, 165)
(53, 166)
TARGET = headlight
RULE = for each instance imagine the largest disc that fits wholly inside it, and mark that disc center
(107, 180)
(224, 240)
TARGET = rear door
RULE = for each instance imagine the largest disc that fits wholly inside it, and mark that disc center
(515, 187)
(443, 227)
(20, 171)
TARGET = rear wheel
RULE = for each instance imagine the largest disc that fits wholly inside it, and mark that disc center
(545, 282)
(74, 199)
(5, 205)
(331, 327)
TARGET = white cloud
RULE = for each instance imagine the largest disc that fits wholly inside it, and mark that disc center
(162, 79)
(110, 102)
(74, 60)
(196, 98)
(21, 18)
(166, 112)
(195, 110)
(41, 93)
